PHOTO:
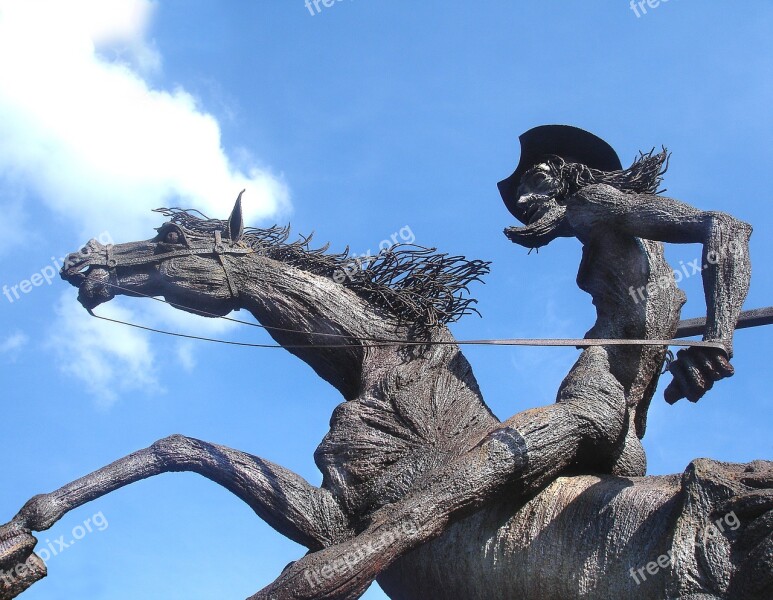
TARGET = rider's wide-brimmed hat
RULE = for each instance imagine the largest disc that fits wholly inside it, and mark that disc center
(570, 143)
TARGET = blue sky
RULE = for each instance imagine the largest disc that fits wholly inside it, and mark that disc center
(355, 122)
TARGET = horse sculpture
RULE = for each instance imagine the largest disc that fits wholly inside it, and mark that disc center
(411, 407)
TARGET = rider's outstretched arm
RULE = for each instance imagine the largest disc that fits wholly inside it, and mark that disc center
(724, 266)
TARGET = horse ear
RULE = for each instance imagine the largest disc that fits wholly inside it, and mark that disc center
(236, 221)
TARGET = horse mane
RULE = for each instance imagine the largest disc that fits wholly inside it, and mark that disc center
(420, 286)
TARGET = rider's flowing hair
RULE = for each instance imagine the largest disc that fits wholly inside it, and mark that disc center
(644, 176)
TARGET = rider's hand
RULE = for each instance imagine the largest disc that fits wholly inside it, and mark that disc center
(695, 370)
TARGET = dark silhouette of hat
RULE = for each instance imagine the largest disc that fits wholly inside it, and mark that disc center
(570, 143)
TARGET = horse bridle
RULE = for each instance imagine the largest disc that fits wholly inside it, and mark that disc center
(219, 248)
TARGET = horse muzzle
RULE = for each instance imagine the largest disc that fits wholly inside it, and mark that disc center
(87, 270)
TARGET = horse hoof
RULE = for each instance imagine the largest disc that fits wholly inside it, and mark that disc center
(19, 567)
(16, 544)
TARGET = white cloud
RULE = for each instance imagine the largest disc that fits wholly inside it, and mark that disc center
(83, 128)
(13, 342)
(185, 356)
(93, 138)
(15, 234)
(108, 358)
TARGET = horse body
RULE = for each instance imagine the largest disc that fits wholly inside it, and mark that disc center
(693, 536)
(557, 546)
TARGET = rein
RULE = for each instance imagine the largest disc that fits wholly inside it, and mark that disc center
(381, 343)
(574, 342)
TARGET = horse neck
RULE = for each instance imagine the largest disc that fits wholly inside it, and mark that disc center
(298, 307)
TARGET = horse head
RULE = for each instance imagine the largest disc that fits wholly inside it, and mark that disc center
(187, 266)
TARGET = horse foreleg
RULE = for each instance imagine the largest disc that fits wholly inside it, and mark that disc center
(296, 509)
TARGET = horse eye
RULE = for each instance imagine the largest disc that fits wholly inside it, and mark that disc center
(172, 238)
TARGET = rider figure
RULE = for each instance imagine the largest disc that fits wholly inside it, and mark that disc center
(571, 183)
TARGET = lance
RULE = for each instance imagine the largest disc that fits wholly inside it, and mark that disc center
(748, 318)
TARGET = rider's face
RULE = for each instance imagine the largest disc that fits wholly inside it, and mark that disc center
(536, 194)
